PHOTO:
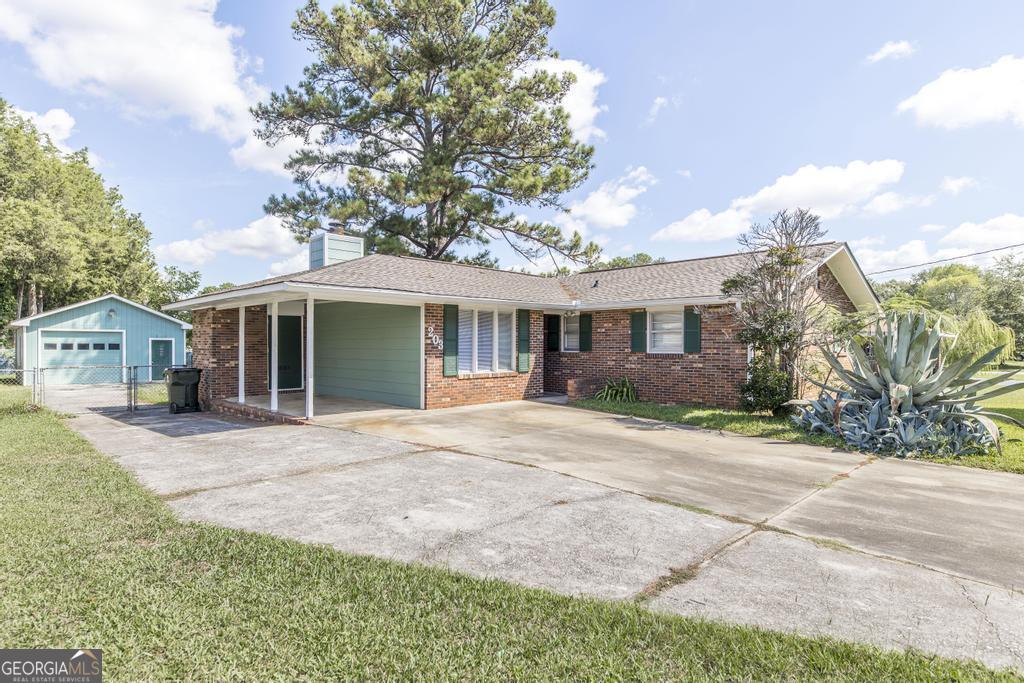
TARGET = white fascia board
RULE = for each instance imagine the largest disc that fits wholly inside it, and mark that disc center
(25, 322)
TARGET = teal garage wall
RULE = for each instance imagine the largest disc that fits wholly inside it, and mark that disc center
(368, 351)
(85, 324)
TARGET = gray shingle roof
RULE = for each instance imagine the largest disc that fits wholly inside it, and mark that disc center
(700, 277)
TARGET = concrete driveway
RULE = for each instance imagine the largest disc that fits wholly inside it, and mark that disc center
(796, 538)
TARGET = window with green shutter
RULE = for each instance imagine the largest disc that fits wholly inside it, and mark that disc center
(638, 331)
(451, 341)
(552, 332)
(691, 330)
(523, 340)
(586, 332)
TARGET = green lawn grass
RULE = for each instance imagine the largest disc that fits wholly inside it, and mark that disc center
(91, 559)
(1011, 459)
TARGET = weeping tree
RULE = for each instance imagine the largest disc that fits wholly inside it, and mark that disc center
(428, 125)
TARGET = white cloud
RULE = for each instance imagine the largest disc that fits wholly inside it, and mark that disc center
(294, 264)
(657, 105)
(259, 156)
(966, 97)
(830, 191)
(894, 49)
(58, 124)
(581, 100)
(685, 172)
(610, 205)
(262, 238)
(955, 186)
(932, 227)
(995, 232)
(704, 226)
(151, 60)
(890, 202)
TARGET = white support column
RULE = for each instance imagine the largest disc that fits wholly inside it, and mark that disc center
(273, 356)
(310, 360)
(241, 354)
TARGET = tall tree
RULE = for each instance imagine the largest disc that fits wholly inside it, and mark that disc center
(427, 123)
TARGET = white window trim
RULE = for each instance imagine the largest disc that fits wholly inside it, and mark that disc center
(682, 330)
(149, 350)
(562, 333)
(494, 339)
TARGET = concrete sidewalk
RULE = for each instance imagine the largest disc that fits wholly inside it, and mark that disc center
(897, 554)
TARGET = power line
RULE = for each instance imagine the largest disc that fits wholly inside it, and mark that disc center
(944, 260)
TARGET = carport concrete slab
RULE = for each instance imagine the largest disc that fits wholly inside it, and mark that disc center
(172, 454)
(786, 583)
(965, 521)
(476, 515)
(725, 473)
(610, 547)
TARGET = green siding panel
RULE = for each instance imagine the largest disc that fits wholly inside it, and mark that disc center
(523, 340)
(586, 332)
(638, 332)
(691, 331)
(451, 341)
(368, 351)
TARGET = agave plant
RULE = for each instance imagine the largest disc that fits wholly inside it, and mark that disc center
(617, 390)
(900, 396)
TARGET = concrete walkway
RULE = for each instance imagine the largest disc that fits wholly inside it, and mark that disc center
(795, 538)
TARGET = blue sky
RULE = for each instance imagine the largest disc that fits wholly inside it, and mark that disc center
(901, 123)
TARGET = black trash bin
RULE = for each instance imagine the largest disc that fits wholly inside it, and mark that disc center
(182, 389)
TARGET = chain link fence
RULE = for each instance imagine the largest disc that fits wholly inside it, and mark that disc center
(90, 388)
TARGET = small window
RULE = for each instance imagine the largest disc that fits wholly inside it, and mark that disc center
(50, 346)
(465, 339)
(505, 333)
(83, 346)
(571, 340)
(67, 346)
(485, 340)
(114, 346)
(99, 347)
(667, 332)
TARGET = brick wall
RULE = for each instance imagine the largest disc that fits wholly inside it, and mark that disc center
(711, 377)
(445, 392)
(215, 350)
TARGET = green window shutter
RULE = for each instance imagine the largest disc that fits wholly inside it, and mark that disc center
(451, 341)
(554, 332)
(691, 331)
(638, 331)
(586, 332)
(523, 340)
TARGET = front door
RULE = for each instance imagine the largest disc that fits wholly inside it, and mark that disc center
(161, 357)
(289, 356)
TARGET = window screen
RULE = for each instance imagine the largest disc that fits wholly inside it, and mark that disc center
(667, 332)
(114, 346)
(67, 346)
(99, 347)
(50, 346)
(83, 346)
(572, 334)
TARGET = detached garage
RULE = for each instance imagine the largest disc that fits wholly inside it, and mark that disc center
(92, 342)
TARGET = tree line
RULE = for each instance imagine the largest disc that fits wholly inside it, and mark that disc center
(65, 236)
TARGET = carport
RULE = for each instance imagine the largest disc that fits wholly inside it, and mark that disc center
(323, 353)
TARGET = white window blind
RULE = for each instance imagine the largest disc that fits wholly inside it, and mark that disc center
(466, 339)
(484, 340)
(667, 332)
(505, 333)
(572, 333)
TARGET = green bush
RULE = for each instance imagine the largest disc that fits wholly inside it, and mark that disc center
(621, 390)
(767, 389)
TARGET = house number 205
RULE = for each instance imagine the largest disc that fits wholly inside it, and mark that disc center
(434, 338)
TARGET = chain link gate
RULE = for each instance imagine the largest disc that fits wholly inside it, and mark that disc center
(17, 379)
(99, 388)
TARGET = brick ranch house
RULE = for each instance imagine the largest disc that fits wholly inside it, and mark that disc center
(417, 333)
